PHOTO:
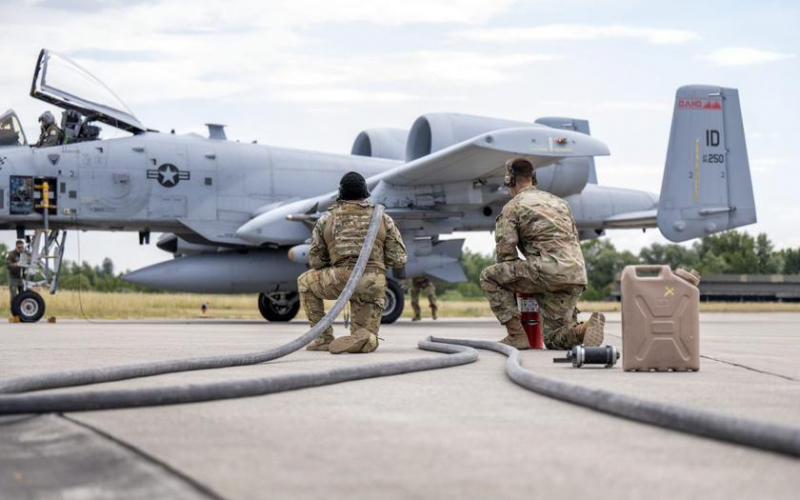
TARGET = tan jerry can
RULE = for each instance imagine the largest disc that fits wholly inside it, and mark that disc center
(660, 319)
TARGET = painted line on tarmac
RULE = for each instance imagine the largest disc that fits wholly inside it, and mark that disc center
(733, 363)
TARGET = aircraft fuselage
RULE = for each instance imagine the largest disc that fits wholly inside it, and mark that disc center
(170, 183)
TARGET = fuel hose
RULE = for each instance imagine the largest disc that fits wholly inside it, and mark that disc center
(195, 393)
(752, 433)
(15, 397)
(12, 402)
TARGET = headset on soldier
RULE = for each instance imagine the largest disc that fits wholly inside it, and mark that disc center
(518, 167)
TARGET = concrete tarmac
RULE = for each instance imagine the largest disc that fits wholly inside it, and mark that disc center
(463, 432)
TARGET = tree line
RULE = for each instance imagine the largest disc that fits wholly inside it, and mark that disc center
(74, 276)
(733, 252)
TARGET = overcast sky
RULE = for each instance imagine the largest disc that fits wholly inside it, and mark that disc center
(312, 73)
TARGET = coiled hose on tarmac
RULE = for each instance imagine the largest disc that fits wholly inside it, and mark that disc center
(779, 439)
(195, 393)
(11, 402)
(771, 437)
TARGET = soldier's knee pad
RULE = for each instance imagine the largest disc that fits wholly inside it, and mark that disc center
(305, 280)
(487, 281)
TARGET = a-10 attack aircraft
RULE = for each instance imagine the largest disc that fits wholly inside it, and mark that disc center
(237, 216)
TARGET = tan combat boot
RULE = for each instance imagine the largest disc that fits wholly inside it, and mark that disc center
(321, 343)
(360, 341)
(516, 335)
(590, 333)
(434, 310)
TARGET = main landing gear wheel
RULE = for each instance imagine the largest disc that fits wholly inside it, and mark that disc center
(28, 306)
(395, 302)
(279, 306)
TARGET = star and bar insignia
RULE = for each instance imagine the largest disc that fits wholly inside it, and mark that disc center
(168, 175)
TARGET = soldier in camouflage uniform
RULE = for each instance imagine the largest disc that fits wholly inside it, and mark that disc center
(541, 226)
(335, 245)
(50, 134)
(14, 270)
(418, 284)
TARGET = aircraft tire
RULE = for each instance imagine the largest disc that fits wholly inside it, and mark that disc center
(28, 306)
(395, 302)
(279, 312)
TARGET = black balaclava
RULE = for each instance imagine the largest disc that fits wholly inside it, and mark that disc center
(352, 187)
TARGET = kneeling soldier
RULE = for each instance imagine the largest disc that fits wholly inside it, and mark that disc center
(542, 227)
(335, 245)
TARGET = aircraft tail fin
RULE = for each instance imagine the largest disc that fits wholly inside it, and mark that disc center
(706, 186)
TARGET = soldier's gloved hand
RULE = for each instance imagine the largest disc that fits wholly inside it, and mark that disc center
(399, 272)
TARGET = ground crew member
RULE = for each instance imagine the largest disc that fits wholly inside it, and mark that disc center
(541, 226)
(335, 245)
(50, 135)
(418, 284)
(15, 270)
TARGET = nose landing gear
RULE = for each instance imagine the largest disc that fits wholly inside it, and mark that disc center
(42, 264)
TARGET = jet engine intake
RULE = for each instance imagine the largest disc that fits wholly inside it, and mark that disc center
(436, 131)
(388, 143)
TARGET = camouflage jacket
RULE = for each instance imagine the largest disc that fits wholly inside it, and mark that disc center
(12, 264)
(51, 136)
(542, 227)
(339, 235)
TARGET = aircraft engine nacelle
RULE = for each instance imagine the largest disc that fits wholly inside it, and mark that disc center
(567, 177)
(388, 143)
(436, 131)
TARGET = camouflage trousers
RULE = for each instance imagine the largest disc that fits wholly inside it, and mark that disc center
(557, 304)
(366, 304)
(14, 288)
(430, 292)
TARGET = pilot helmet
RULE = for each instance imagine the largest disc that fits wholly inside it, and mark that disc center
(47, 119)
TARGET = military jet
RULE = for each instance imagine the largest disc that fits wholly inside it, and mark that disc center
(237, 216)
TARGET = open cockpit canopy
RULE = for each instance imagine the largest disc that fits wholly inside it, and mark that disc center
(61, 82)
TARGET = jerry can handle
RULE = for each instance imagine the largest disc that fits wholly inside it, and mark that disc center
(649, 267)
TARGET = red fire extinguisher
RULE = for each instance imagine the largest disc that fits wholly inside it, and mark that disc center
(531, 319)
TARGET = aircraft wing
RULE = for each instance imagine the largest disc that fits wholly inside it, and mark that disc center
(476, 159)
(483, 156)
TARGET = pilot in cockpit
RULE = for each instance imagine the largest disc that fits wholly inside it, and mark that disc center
(50, 135)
